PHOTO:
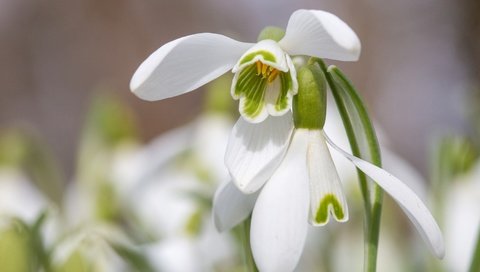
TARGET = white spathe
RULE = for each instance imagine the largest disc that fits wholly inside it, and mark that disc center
(410, 203)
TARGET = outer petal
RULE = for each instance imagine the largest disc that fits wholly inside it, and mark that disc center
(230, 206)
(411, 204)
(280, 217)
(320, 34)
(326, 193)
(254, 151)
(185, 64)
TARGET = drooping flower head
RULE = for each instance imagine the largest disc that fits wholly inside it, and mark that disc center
(265, 78)
(292, 181)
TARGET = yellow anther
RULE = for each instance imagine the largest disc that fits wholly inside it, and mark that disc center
(259, 67)
(264, 69)
(272, 75)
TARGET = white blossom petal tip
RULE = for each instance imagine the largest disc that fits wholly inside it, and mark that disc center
(410, 203)
(254, 151)
(320, 34)
(185, 64)
(230, 206)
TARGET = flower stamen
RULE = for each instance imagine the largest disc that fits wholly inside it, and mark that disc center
(259, 67)
(273, 75)
(266, 71)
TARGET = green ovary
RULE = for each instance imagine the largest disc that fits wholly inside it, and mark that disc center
(252, 85)
(322, 213)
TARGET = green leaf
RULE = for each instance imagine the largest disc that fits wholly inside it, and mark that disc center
(23, 150)
(135, 259)
(15, 253)
(364, 144)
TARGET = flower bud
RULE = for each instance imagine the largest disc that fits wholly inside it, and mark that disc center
(271, 33)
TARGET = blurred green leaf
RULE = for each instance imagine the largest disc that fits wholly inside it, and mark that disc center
(135, 259)
(23, 150)
(15, 254)
(218, 98)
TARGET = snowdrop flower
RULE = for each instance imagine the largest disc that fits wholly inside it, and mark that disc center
(304, 187)
(94, 246)
(14, 186)
(155, 184)
(265, 77)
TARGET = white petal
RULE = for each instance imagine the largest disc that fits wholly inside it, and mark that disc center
(185, 64)
(411, 204)
(231, 206)
(280, 217)
(255, 54)
(254, 151)
(320, 34)
(324, 182)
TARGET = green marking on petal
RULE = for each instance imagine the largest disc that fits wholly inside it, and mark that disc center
(285, 85)
(251, 87)
(322, 213)
(254, 98)
(267, 56)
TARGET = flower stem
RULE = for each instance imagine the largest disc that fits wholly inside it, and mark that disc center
(249, 261)
(475, 265)
(351, 107)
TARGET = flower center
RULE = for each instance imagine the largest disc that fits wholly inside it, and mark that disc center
(266, 71)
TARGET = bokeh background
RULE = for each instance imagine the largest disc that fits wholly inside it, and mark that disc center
(83, 159)
(418, 69)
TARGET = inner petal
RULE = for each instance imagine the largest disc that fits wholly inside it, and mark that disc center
(262, 90)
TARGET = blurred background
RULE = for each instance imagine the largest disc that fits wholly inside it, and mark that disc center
(418, 68)
(70, 125)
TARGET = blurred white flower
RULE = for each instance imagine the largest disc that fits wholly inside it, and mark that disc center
(168, 185)
(19, 197)
(91, 246)
(462, 219)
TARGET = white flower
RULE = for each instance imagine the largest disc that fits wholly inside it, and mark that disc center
(462, 220)
(163, 193)
(18, 197)
(265, 78)
(303, 186)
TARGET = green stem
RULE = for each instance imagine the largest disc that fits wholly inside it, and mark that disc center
(373, 209)
(249, 261)
(475, 265)
(351, 137)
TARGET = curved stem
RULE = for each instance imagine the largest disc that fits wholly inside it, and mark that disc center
(249, 261)
(475, 265)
